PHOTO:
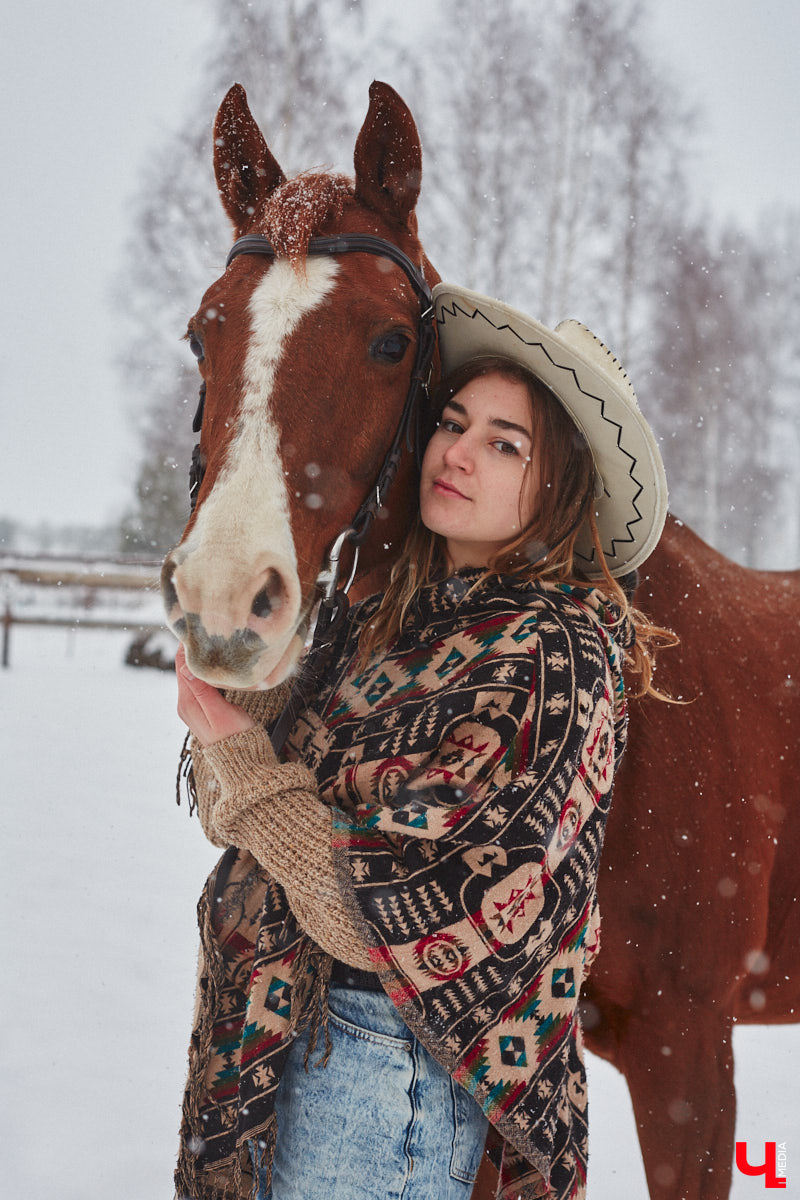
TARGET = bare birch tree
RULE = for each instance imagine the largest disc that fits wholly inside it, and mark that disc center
(280, 54)
(726, 370)
(550, 137)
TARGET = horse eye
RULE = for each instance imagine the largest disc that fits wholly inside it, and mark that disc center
(390, 347)
(196, 346)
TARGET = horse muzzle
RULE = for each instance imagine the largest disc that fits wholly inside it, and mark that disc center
(243, 632)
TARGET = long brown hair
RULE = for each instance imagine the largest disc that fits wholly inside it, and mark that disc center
(544, 550)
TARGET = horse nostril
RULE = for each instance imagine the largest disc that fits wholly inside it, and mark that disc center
(269, 599)
(262, 605)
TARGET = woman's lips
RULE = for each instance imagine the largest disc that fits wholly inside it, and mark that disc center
(447, 489)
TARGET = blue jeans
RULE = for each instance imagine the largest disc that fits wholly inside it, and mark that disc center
(383, 1120)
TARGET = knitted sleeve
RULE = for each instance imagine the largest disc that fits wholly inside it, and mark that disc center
(273, 810)
(206, 790)
(263, 707)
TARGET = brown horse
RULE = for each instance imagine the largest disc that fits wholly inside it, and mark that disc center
(306, 362)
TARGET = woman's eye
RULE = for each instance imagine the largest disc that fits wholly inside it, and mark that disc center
(507, 448)
(390, 347)
(196, 346)
(450, 426)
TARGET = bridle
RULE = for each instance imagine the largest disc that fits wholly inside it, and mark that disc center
(333, 605)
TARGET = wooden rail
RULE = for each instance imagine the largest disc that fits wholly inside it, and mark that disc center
(89, 576)
(53, 570)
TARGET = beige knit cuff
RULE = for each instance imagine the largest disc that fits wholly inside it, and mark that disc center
(263, 707)
(247, 770)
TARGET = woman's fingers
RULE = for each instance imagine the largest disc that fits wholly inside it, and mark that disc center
(190, 710)
(204, 709)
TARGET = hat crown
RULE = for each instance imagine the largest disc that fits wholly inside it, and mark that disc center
(582, 341)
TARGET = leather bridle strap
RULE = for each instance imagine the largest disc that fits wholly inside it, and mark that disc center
(366, 243)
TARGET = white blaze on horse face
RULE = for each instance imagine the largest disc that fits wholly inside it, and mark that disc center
(237, 569)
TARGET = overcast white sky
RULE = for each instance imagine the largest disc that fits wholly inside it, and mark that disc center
(87, 87)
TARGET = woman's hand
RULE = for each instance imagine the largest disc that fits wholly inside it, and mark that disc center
(204, 709)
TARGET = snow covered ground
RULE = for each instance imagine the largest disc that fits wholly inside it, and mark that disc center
(100, 874)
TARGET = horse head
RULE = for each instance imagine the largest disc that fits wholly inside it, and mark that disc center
(306, 360)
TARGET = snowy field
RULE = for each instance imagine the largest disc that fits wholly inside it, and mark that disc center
(101, 872)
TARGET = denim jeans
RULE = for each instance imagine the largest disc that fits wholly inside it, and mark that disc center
(383, 1120)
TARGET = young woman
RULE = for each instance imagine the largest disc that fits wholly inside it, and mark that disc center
(416, 878)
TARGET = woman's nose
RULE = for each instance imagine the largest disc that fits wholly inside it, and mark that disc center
(459, 454)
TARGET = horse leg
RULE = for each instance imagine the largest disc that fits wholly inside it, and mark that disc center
(679, 1071)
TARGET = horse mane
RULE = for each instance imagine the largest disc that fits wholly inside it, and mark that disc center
(298, 208)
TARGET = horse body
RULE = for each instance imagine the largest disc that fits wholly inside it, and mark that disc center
(698, 882)
(307, 363)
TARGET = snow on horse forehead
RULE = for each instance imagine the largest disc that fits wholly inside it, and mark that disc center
(306, 361)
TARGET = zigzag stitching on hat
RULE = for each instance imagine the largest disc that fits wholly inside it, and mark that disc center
(605, 350)
(609, 420)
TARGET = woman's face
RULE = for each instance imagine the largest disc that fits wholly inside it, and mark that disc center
(474, 489)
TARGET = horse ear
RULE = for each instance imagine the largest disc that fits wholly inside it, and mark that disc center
(246, 171)
(388, 157)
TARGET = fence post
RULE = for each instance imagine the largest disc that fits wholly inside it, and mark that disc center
(7, 623)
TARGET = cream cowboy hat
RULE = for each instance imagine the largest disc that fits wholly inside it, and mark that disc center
(630, 485)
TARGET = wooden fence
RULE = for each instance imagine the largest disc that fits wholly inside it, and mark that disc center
(78, 592)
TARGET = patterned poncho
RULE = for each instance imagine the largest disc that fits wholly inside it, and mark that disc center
(468, 770)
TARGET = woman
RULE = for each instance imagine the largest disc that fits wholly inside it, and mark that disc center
(417, 876)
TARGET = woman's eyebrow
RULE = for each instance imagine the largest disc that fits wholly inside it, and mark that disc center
(502, 424)
(498, 422)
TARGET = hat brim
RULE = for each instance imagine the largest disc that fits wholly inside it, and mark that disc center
(595, 391)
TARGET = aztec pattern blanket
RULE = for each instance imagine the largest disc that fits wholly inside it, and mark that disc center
(469, 772)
